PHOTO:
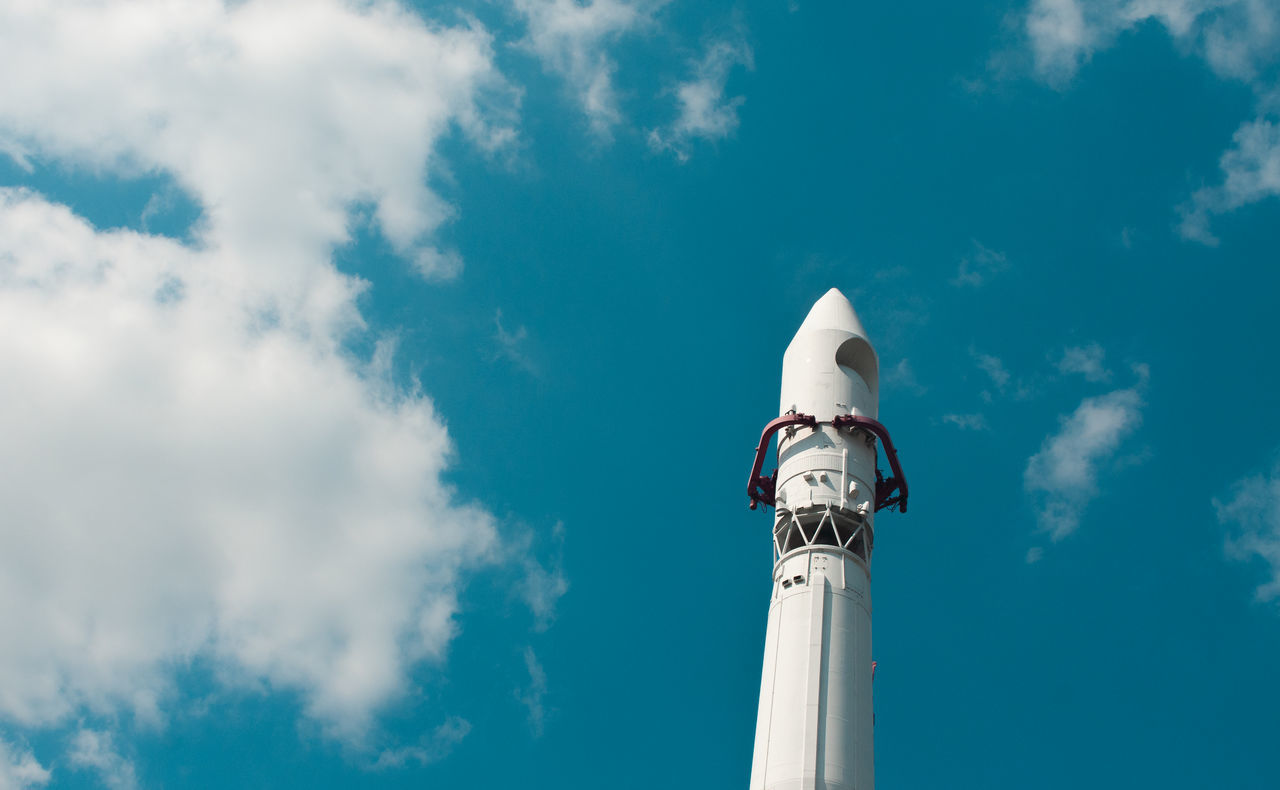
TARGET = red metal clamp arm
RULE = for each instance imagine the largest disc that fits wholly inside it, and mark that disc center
(890, 492)
(759, 487)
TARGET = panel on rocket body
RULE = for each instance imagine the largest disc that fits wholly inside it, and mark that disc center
(817, 643)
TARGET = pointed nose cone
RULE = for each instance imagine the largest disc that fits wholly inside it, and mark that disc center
(833, 311)
(830, 366)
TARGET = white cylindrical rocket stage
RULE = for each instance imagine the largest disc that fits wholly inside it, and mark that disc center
(814, 728)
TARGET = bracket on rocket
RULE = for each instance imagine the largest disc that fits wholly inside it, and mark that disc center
(890, 492)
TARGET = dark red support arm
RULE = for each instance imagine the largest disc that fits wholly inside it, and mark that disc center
(890, 492)
(759, 487)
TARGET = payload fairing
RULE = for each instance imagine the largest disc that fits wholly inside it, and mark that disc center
(814, 728)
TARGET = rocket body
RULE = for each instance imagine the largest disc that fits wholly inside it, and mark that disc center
(814, 727)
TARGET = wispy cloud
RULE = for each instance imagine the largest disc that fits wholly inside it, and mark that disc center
(903, 377)
(994, 368)
(572, 40)
(705, 112)
(979, 265)
(96, 751)
(543, 582)
(532, 695)
(19, 769)
(1088, 361)
(1252, 516)
(966, 422)
(1238, 39)
(1062, 478)
(1251, 172)
(511, 345)
(432, 747)
(1004, 383)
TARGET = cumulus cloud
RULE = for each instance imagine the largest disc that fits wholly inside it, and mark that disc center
(1238, 39)
(705, 112)
(1085, 360)
(572, 40)
(1252, 515)
(1062, 478)
(275, 115)
(188, 476)
(196, 465)
(96, 751)
(19, 769)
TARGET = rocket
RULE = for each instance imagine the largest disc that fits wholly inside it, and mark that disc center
(815, 722)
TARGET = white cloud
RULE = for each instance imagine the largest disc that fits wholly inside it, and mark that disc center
(275, 115)
(196, 465)
(1253, 514)
(1060, 37)
(572, 38)
(1085, 360)
(188, 477)
(543, 584)
(1237, 39)
(903, 376)
(966, 422)
(994, 368)
(96, 751)
(432, 747)
(1002, 381)
(1062, 476)
(705, 112)
(511, 344)
(1251, 169)
(532, 696)
(19, 769)
(976, 267)
(1034, 555)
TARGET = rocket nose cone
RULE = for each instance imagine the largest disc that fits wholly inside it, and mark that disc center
(830, 366)
(833, 311)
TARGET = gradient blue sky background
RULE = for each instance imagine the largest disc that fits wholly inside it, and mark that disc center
(379, 382)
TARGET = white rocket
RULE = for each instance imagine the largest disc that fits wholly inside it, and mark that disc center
(814, 728)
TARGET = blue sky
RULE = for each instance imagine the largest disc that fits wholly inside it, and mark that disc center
(381, 380)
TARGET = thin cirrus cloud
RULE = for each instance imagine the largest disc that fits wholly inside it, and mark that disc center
(1087, 361)
(19, 769)
(1252, 516)
(96, 751)
(1238, 40)
(1062, 477)
(533, 696)
(979, 266)
(705, 112)
(966, 422)
(431, 747)
(572, 39)
(198, 469)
